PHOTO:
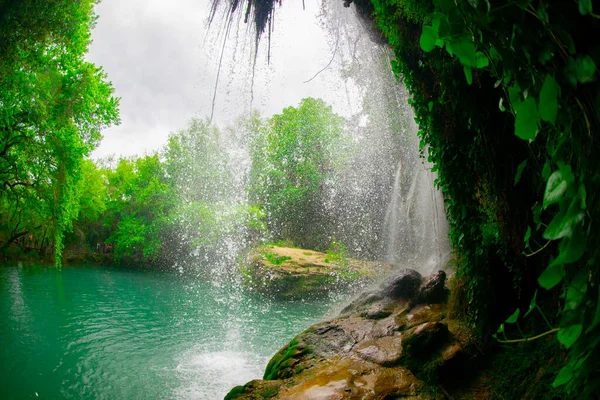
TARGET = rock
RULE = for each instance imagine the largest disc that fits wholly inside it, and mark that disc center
(329, 340)
(385, 345)
(361, 302)
(433, 290)
(425, 339)
(289, 273)
(404, 285)
(421, 314)
(384, 351)
(377, 311)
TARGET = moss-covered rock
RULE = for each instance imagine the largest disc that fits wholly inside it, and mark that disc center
(291, 273)
(385, 345)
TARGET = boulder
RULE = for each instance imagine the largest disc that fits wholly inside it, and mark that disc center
(404, 285)
(385, 345)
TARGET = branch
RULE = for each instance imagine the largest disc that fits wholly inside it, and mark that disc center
(328, 64)
(528, 339)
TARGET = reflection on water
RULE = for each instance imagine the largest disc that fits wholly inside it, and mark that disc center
(107, 333)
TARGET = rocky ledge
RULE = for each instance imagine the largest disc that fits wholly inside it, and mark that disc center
(291, 273)
(389, 343)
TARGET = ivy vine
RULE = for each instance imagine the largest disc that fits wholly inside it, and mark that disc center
(539, 60)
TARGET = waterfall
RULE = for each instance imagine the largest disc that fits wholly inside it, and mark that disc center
(415, 225)
(382, 204)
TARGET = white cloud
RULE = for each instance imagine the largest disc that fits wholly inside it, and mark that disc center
(163, 64)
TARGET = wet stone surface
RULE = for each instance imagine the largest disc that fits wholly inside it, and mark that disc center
(377, 348)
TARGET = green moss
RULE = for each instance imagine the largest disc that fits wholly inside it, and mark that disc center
(283, 359)
(269, 392)
(234, 393)
(273, 258)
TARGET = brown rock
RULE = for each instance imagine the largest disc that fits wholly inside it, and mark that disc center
(384, 351)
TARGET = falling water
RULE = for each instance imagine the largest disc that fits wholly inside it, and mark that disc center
(416, 230)
(385, 204)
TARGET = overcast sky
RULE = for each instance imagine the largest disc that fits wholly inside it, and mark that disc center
(162, 60)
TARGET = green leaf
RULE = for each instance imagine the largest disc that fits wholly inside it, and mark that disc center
(520, 169)
(513, 318)
(586, 70)
(436, 20)
(527, 236)
(548, 106)
(596, 319)
(428, 38)
(576, 291)
(482, 60)
(565, 222)
(537, 212)
(585, 7)
(546, 170)
(430, 106)
(581, 70)
(468, 74)
(514, 95)
(444, 5)
(564, 375)
(555, 187)
(464, 49)
(552, 276)
(532, 304)
(571, 249)
(569, 335)
(526, 122)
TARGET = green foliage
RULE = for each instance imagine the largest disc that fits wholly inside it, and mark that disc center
(141, 199)
(291, 159)
(53, 105)
(337, 254)
(273, 258)
(536, 62)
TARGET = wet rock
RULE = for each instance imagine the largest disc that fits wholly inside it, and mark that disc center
(433, 289)
(364, 300)
(421, 314)
(425, 340)
(329, 340)
(384, 351)
(377, 311)
(383, 346)
(404, 285)
(344, 378)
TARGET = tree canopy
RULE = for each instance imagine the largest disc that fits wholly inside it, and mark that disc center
(54, 104)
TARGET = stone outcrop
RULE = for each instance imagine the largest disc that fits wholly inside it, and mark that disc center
(290, 273)
(387, 344)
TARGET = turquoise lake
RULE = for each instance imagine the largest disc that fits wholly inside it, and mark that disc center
(111, 333)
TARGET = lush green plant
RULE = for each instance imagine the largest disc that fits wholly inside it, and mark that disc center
(53, 105)
(517, 210)
(291, 158)
(336, 253)
(141, 200)
(273, 258)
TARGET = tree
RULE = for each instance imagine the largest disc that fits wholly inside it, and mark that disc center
(291, 160)
(141, 197)
(53, 105)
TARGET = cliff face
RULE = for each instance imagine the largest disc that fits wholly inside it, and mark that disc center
(386, 344)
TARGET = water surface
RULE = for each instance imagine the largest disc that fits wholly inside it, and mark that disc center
(110, 333)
